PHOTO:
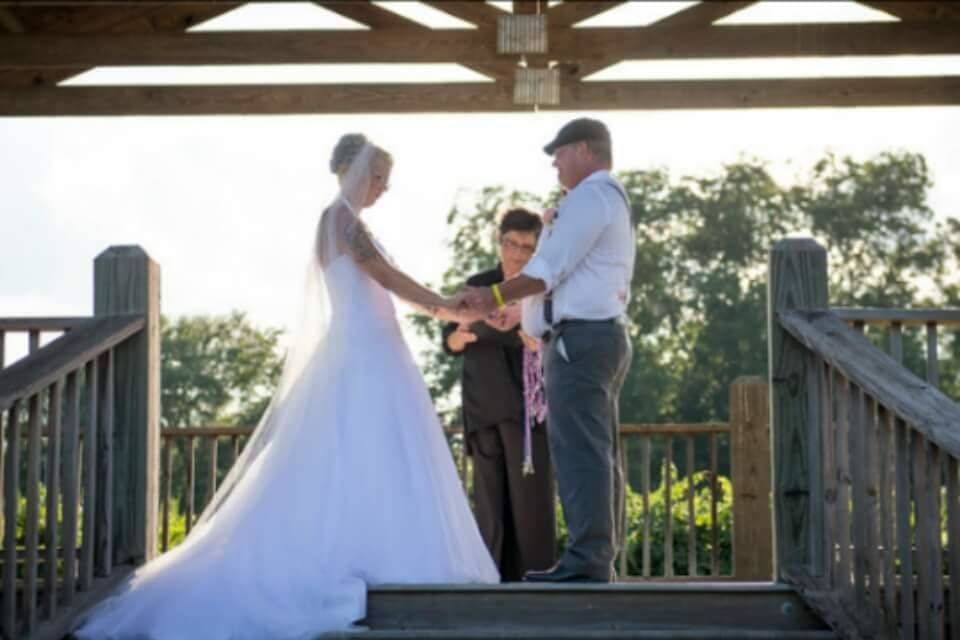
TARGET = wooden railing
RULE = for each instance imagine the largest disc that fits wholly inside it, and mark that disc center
(866, 462)
(71, 413)
(746, 437)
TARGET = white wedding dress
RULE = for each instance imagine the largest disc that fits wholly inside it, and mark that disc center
(353, 486)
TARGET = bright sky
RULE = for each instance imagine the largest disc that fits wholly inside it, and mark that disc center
(227, 205)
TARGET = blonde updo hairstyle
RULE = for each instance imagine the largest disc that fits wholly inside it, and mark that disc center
(348, 148)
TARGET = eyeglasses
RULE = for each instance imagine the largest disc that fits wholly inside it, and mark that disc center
(526, 249)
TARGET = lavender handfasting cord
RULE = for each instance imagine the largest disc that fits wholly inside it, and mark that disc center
(534, 402)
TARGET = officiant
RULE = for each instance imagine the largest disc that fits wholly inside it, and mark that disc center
(514, 507)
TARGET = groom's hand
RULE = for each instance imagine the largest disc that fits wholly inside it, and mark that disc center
(479, 300)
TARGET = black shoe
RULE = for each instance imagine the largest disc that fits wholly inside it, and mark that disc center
(559, 573)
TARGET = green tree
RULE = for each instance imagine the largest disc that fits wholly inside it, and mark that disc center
(698, 307)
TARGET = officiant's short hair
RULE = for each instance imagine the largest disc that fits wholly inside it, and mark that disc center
(520, 219)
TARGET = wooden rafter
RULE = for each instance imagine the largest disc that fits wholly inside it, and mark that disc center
(703, 14)
(10, 22)
(39, 51)
(916, 9)
(568, 13)
(369, 14)
(480, 14)
(415, 98)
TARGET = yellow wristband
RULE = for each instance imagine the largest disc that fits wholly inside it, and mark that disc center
(497, 296)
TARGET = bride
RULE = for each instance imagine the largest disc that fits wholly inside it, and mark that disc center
(346, 483)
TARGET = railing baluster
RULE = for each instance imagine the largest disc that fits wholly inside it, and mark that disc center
(89, 479)
(3, 349)
(828, 442)
(887, 511)
(11, 500)
(34, 340)
(933, 360)
(32, 528)
(212, 471)
(714, 530)
(857, 456)
(691, 512)
(647, 516)
(926, 468)
(166, 485)
(844, 483)
(953, 539)
(871, 506)
(71, 487)
(191, 479)
(53, 498)
(624, 546)
(236, 447)
(904, 463)
(895, 337)
(104, 527)
(668, 509)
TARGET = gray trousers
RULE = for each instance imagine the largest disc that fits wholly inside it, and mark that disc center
(583, 391)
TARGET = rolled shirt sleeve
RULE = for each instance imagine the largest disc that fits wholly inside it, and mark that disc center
(578, 225)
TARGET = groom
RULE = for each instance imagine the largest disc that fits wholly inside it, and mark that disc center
(578, 285)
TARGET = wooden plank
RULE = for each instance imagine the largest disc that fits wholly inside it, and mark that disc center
(51, 542)
(369, 14)
(872, 509)
(65, 354)
(828, 453)
(903, 462)
(797, 279)
(667, 482)
(43, 324)
(691, 511)
(929, 581)
(32, 525)
(3, 349)
(895, 341)
(857, 455)
(481, 14)
(89, 465)
(191, 465)
(33, 342)
(933, 360)
(167, 487)
(236, 448)
(71, 487)
(127, 281)
(906, 317)
(623, 552)
(925, 408)
(714, 498)
(10, 21)
(842, 533)
(11, 499)
(478, 97)
(953, 533)
(105, 532)
(168, 433)
(39, 51)
(916, 9)
(702, 14)
(750, 476)
(211, 471)
(567, 14)
(885, 425)
(645, 492)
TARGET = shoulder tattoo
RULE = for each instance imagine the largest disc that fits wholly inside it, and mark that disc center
(360, 243)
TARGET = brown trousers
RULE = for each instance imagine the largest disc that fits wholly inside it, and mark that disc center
(516, 513)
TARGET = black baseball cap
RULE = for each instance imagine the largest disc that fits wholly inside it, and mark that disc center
(576, 131)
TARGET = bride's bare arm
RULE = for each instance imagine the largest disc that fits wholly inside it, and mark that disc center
(366, 255)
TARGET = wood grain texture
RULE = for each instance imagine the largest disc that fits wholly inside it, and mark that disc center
(797, 280)
(903, 462)
(32, 520)
(11, 499)
(52, 471)
(750, 476)
(71, 486)
(127, 281)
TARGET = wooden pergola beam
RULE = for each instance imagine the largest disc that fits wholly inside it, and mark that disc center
(37, 51)
(10, 22)
(368, 14)
(916, 9)
(476, 97)
(480, 14)
(703, 14)
(568, 14)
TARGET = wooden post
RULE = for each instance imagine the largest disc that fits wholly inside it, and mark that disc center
(797, 280)
(750, 470)
(127, 281)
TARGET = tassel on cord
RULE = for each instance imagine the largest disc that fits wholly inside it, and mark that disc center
(534, 403)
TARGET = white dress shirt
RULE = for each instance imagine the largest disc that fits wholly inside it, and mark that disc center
(586, 257)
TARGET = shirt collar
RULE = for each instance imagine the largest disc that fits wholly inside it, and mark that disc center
(601, 175)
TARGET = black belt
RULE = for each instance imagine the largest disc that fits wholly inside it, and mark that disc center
(558, 328)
